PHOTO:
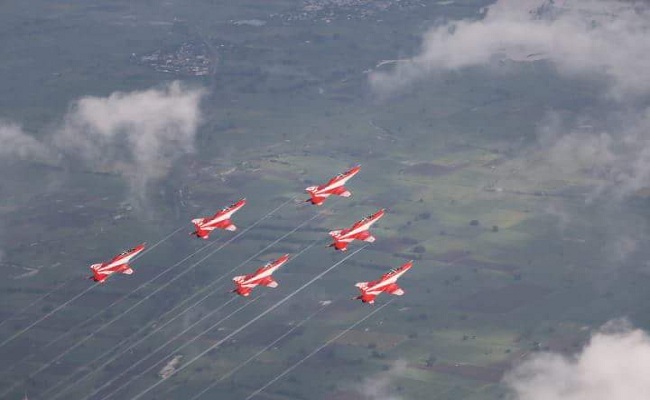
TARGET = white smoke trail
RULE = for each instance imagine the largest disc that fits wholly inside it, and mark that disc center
(178, 276)
(265, 349)
(319, 348)
(113, 351)
(236, 331)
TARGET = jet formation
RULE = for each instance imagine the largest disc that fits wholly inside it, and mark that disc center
(244, 284)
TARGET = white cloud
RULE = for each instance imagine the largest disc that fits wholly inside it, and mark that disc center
(606, 161)
(603, 38)
(139, 134)
(379, 387)
(16, 144)
(613, 365)
(618, 159)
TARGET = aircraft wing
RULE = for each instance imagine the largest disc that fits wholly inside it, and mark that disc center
(365, 236)
(341, 191)
(268, 282)
(394, 290)
(227, 225)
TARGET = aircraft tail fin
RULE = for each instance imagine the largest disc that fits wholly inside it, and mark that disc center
(242, 291)
(366, 298)
(98, 276)
(314, 198)
(341, 246)
(198, 230)
(201, 233)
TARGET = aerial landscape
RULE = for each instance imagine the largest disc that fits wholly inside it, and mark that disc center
(325, 199)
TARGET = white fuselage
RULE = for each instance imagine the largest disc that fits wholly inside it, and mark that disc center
(111, 266)
(379, 286)
(267, 272)
(325, 191)
(220, 218)
(349, 236)
(210, 224)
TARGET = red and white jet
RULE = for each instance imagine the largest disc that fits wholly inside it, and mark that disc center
(358, 231)
(220, 220)
(262, 276)
(387, 283)
(334, 187)
(119, 263)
